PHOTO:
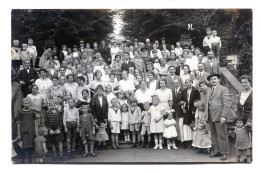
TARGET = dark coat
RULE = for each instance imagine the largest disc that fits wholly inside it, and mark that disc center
(105, 53)
(190, 108)
(98, 112)
(245, 112)
(126, 66)
(26, 77)
(176, 99)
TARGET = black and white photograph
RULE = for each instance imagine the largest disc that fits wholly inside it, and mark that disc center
(131, 86)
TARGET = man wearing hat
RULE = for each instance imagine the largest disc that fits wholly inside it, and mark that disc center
(144, 54)
(81, 46)
(218, 104)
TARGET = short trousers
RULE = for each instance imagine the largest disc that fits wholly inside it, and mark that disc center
(246, 152)
(72, 130)
(145, 129)
(134, 127)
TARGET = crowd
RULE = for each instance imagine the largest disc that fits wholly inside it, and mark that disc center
(89, 96)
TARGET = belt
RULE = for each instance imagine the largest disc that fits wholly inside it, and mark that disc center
(72, 121)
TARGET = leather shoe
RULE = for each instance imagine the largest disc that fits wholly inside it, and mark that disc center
(212, 155)
(223, 157)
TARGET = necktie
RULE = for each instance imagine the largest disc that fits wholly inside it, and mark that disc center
(176, 90)
(200, 75)
(212, 90)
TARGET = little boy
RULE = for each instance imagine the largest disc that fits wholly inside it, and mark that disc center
(206, 41)
(215, 43)
(33, 51)
(71, 124)
(146, 121)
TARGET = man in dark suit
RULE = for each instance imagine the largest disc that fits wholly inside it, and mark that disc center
(211, 64)
(27, 77)
(81, 46)
(148, 45)
(127, 63)
(179, 69)
(219, 104)
(201, 75)
(164, 43)
(176, 98)
(169, 79)
(145, 56)
(105, 52)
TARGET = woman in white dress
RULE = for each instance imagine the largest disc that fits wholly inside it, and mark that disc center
(43, 84)
(165, 94)
(71, 86)
(143, 95)
(125, 83)
(186, 74)
(97, 81)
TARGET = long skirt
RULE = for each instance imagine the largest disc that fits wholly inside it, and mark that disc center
(187, 133)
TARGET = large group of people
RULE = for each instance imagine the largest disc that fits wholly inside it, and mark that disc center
(92, 95)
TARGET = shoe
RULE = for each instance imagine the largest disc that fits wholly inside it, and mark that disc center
(92, 154)
(84, 155)
(118, 147)
(156, 147)
(174, 147)
(169, 147)
(70, 156)
(105, 147)
(160, 147)
(200, 151)
(223, 157)
(148, 145)
(114, 147)
(170, 144)
(134, 145)
(212, 155)
(61, 158)
(54, 159)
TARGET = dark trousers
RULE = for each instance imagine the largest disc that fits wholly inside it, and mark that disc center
(215, 48)
(71, 135)
(219, 136)
(28, 152)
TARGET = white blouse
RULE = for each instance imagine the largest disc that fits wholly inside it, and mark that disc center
(244, 96)
(143, 96)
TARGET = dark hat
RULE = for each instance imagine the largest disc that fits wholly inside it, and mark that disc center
(75, 46)
(144, 49)
(154, 51)
(214, 74)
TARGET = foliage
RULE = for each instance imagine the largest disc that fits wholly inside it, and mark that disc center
(61, 26)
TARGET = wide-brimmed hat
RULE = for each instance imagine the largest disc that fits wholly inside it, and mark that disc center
(214, 74)
(144, 49)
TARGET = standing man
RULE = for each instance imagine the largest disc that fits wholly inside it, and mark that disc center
(27, 77)
(211, 64)
(104, 50)
(171, 77)
(127, 63)
(148, 45)
(201, 75)
(219, 104)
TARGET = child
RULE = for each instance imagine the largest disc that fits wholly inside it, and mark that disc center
(25, 54)
(215, 43)
(57, 63)
(71, 124)
(87, 127)
(201, 138)
(40, 145)
(169, 131)
(178, 50)
(67, 96)
(26, 128)
(33, 51)
(109, 94)
(157, 112)
(146, 121)
(243, 141)
(125, 124)
(53, 122)
(114, 119)
(134, 120)
(206, 41)
(102, 135)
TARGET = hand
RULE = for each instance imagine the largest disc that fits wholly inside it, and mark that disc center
(249, 124)
(32, 80)
(84, 141)
(22, 82)
(66, 129)
(94, 132)
(96, 120)
(223, 120)
(51, 132)
(57, 131)
(18, 137)
(97, 127)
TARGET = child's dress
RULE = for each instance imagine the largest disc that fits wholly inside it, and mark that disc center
(125, 123)
(39, 140)
(114, 116)
(86, 123)
(170, 131)
(201, 135)
(156, 112)
(101, 133)
(243, 141)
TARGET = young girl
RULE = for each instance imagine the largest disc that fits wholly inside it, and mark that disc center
(157, 112)
(125, 124)
(87, 127)
(53, 122)
(146, 121)
(57, 62)
(67, 96)
(40, 145)
(109, 94)
(121, 98)
(169, 131)
(114, 119)
(134, 117)
(101, 135)
(243, 140)
(26, 127)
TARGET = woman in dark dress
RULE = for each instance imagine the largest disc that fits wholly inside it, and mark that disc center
(244, 107)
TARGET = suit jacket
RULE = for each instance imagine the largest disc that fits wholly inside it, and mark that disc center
(84, 64)
(178, 70)
(105, 52)
(176, 98)
(212, 69)
(188, 117)
(219, 103)
(126, 66)
(203, 77)
(245, 111)
(99, 113)
(149, 47)
(55, 73)
(169, 82)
